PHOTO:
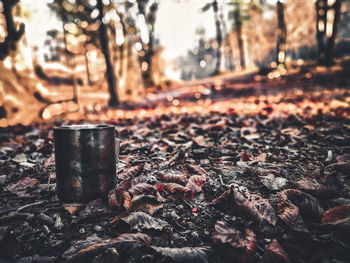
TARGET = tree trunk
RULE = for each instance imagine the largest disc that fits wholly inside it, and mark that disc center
(238, 23)
(281, 35)
(113, 100)
(331, 39)
(13, 35)
(71, 65)
(90, 82)
(218, 37)
(321, 26)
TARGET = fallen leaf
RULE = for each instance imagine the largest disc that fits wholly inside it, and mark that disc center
(274, 253)
(273, 183)
(196, 182)
(22, 186)
(185, 254)
(240, 246)
(140, 221)
(238, 201)
(176, 191)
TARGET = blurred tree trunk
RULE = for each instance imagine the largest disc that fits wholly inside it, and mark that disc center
(218, 37)
(147, 51)
(327, 20)
(13, 35)
(71, 64)
(331, 39)
(238, 24)
(281, 35)
(111, 79)
(88, 75)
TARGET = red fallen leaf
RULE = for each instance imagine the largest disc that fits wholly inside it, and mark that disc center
(196, 182)
(196, 170)
(174, 178)
(245, 157)
(21, 187)
(274, 253)
(238, 201)
(338, 217)
(131, 172)
(143, 188)
(177, 191)
(242, 244)
(160, 187)
(116, 196)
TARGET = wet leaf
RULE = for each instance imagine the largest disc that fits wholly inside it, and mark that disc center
(238, 201)
(274, 253)
(196, 182)
(186, 254)
(176, 191)
(239, 245)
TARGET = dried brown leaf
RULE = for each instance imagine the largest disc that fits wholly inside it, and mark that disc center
(176, 191)
(174, 178)
(274, 253)
(196, 182)
(238, 201)
(242, 245)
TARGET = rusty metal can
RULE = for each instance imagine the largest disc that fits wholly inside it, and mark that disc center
(85, 161)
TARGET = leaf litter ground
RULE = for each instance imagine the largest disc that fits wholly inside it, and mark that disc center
(208, 186)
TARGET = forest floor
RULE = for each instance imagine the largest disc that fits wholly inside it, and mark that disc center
(223, 170)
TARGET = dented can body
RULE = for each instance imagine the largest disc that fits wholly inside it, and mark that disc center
(85, 161)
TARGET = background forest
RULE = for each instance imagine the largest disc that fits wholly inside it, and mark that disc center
(72, 55)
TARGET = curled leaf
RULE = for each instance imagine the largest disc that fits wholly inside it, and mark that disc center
(196, 182)
(148, 202)
(242, 245)
(131, 172)
(142, 188)
(274, 253)
(174, 178)
(309, 206)
(193, 169)
(176, 191)
(238, 201)
(117, 196)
